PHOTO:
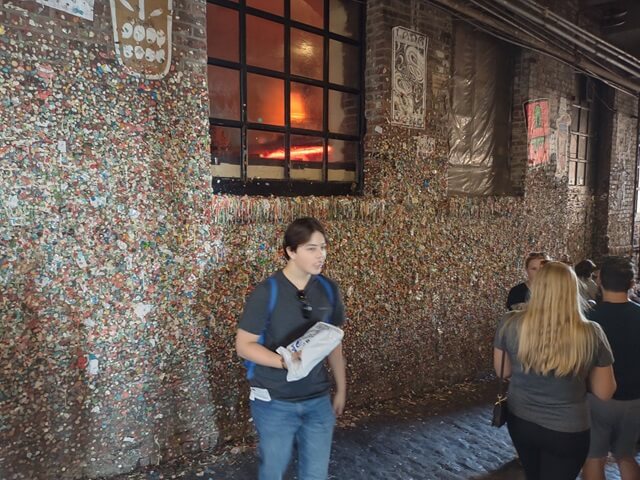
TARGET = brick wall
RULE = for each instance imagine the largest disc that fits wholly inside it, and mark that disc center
(121, 277)
(622, 175)
(102, 365)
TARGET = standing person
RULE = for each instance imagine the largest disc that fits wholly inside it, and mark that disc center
(588, 287)
(519, 295)
(552, 352)
(301, 411)
(616, 423)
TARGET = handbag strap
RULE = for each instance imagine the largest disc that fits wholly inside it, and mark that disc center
(503, 382)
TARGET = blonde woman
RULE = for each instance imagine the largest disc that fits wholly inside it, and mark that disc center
(553, 355)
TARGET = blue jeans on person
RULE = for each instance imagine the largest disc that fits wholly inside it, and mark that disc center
(308, 423)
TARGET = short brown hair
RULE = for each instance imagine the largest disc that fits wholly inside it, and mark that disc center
(299, 232)
(616, 273)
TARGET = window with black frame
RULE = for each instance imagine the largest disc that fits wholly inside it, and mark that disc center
(580, 151)
(285, 96)
(588, 112)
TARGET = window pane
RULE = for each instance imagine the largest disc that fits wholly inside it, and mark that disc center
(343, 112)
(344, 17)
(306, 54)
(306, 157)
(224, 92)
(306, 106)
(225, 151)
(582, 148)
(273, 6)
(265, 43)
(310, 12)
(342, 160)
(575, 116)
(344, 66)
(222, 33)
(266, 154)
(572, 173)
(584, 121)
(573, 146)
(580, 174)
(265, 99)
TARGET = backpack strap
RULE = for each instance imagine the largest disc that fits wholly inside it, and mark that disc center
(273, 298)
(330, 295)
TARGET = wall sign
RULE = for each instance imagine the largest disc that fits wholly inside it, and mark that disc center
(408, 78)
(142, 36)
(79, 8)
(537, 115)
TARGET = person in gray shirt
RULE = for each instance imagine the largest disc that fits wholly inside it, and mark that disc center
(551, 354)
(279, 311)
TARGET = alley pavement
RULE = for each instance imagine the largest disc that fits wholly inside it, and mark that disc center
(441, 436)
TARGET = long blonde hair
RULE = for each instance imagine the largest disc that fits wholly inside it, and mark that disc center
(555, 337)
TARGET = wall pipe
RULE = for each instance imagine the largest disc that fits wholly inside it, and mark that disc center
(526, 30)
(583, 33)
(589, 37)
(624, 84)
(566, 36)
(514, 23)
(554, 40)
(598, 42)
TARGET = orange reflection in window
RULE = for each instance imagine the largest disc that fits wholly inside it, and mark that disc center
(298, 114)
(302, 154)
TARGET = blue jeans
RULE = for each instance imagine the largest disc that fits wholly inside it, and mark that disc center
(309, 423)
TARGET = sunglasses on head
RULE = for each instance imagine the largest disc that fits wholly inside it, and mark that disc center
(306, 307)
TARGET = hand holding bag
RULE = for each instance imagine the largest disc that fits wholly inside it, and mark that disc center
(500, 406)
(314, 346)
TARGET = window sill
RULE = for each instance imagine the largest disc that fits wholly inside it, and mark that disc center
(282, 188)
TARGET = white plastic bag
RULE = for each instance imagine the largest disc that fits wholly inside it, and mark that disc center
(314, 346)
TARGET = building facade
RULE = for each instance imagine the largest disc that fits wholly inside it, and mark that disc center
(150, 164)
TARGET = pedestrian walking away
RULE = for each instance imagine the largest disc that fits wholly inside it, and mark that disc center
(616, 423)
(552, 353)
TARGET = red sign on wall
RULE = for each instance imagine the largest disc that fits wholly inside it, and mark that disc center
(538, 131)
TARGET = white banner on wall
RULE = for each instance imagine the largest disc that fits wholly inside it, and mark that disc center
(79, 8)
(408, 78)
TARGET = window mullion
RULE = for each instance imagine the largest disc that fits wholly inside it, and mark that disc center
(244, 147)
(287, 89)
(325, 94)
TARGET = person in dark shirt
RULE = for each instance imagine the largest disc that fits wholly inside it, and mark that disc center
(519, 295)
(279, 310)
(616, 423)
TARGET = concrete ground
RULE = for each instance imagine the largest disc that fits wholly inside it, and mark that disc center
(442, 436)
